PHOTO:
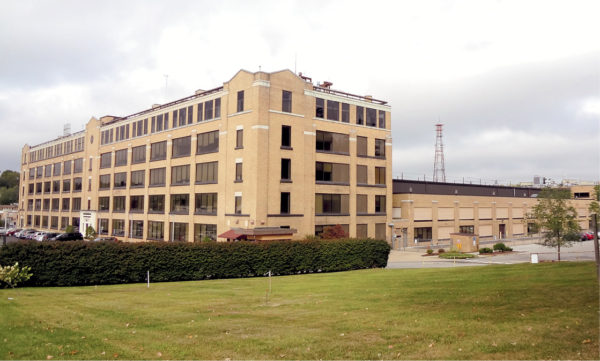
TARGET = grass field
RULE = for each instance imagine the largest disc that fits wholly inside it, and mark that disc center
(544, 311)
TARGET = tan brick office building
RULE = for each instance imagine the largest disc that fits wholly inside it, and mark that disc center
(427, 213)
(263, 151)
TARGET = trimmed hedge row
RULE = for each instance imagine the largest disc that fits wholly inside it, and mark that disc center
(94, 263)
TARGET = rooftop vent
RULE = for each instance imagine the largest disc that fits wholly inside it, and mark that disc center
(154, 106)
(67, 129)
(199, 91)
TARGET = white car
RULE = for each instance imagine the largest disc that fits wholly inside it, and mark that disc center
(34, 235)
(39, 236)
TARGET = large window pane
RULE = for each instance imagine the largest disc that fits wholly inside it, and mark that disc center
(205, 232)
(182, 147)
(208, 142)
(206, 203)
(157, 177)
(180, 175)
(158, 151)
(180, 203)
(207, 172)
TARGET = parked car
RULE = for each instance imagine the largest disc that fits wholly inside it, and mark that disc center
(586, 236)
(106, 239)
(39, 236)
(49, 235)
(33, 235)
(75, 236)
(13, 231)
(24, 234)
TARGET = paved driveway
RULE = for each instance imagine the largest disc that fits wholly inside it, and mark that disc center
(580, 251)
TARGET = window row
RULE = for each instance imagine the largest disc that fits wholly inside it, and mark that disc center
(362, 230)
(340, 144)
(204, 204)
(155, 230)
(54, 204)
(54, 170)
(51, 222)
(55, 186)
(326, 203)
(67, 147)
(339, 111)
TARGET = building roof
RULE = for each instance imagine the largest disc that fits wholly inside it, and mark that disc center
(402, 186)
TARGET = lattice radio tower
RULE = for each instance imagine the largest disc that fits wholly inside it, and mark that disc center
(439, 170)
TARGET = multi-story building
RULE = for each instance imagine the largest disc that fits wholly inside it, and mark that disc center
(267, 154)
(428, 212)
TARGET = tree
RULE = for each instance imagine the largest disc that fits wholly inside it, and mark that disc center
(334, 232)
(13, 275)
(555, 218)
(595, 205)
(90, 233)
(9, 179)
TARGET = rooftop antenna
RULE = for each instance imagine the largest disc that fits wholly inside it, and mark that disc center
(439, 170)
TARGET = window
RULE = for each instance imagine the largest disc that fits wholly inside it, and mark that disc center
(332, 142)
(66, 204)
(284, 207)
(466, 229)
(286, 169)
(180, 175)
(102, 225)
(333, 110)
(205, 232)
(39, 172)
(38, 204)
(320, 228)
(199, 112)
(67, 167)
(77, 184)
(78, 165)
(238, 172)
(158, 151)
(208, 110)
(48, 170)
(361, 174)
(182, 147)
(360, 115)
(66, 185)
(423, 233)
(331, 203)
(156, 230)
(56, 169)
(208, 142)
(104, 204)
(76, 204)
(362, 231)
(138, 154)
(156, 203)
(371, 117)
(190, 114)
(54, 222)
(180, 232)
(47, 187)
(381, 119)
(105, 160)
(206, 203)
(206, 172)
(286, 136)
(118, 227)
(238, 204)
(218, 108)
(320, 108)
(362, 204)
(119, 204)
(239, 139)
(380, 204)
(55, 204)
(157, 177)
(380, 231)
(180, 203)
(345, 113)
(332, 172)
(64, 222)
(46, 205)
(45, 222)
(286, 101)
(361, 146)
(31, 173)
(380, 148)
(31, 186)
(120, 180)
(240, 101)
(30, 205)
(137, 178)
(120, 157)
(104, 181)
(136, 204)
(38, 187)
(380, 175)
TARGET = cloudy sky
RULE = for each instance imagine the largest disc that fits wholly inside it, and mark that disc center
(515, 83)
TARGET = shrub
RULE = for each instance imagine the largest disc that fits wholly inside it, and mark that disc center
(486, 250)
(441, 250)
(13, 275)
(334, 232)
(501, 247)
(94, 263)
(90, 233)
(429, 251)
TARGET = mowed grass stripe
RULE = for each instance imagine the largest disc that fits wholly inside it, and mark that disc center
(496, 312)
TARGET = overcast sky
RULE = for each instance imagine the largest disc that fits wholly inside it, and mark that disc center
(515, 83)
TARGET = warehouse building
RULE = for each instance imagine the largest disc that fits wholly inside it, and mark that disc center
(264, 156)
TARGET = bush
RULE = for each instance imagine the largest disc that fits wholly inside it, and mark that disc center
(501, 247)
(95, 263)
(486, 250)
(441, 250)
(429, 251)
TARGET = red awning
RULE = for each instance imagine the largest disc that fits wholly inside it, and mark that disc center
(231, 234)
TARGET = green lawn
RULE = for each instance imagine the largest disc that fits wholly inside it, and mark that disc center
(544, 311)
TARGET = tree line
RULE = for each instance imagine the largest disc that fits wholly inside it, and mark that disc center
(9, 187)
